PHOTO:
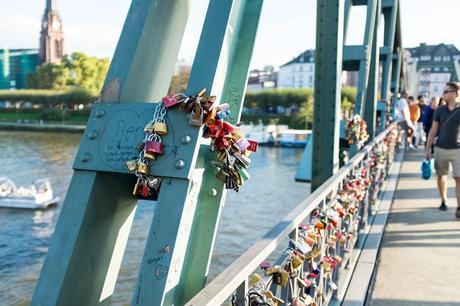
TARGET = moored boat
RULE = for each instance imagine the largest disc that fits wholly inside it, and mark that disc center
(39, 195)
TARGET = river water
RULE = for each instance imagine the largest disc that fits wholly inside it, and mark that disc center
(25, 234)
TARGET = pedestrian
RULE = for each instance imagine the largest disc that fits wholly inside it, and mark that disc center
(420, 132)
(428, 115)
(414, 110)
(403, 117)
(446, 124)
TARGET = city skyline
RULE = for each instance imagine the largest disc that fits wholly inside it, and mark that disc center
(98, 33)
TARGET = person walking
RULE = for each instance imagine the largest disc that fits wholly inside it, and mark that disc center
(421, 135)
(446, 124)
(428, 115)
(403, 116)
(414, 110)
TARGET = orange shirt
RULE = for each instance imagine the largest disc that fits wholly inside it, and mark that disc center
(414, 112)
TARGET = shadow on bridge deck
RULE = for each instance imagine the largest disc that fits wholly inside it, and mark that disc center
(419, 261)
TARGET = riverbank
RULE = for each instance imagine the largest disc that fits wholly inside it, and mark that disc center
(13, 126)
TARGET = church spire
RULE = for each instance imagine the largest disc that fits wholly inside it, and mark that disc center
(51, 35)
(50, 5)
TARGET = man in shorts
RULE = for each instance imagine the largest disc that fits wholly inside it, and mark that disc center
(446, 124)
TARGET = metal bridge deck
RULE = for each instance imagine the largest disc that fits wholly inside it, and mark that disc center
(419, 256)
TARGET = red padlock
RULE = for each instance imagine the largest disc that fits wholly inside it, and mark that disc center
(153, 147)
(253, 145)
(229, 127)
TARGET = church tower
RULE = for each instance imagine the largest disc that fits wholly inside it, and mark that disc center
(51, 35)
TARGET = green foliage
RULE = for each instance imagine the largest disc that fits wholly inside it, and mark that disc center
(75, 71)
(48, 97)
(46, 114)
(303, 98)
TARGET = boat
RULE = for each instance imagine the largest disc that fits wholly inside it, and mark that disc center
(294, 138)
(39, 195)
(265, 135)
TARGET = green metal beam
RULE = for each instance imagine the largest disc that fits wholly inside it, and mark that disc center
(363, 78)
(86, 250)
(390, 15)
(370, 113)
(212, 194)
(328, 73)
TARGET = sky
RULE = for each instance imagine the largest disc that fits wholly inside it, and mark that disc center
(286, 28)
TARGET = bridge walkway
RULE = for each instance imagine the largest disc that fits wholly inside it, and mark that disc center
(419, 261)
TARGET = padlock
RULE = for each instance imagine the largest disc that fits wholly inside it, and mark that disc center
(221, 176)
(143, 168)
(196, 116)
(253, 145)
(149, 156)
(229, 127)
(160, 127)
(242, 144)
(272, 270)
(284, 278)
(131, 165)
(137, 187)
(244, 174)
(296, 262)
(154, 146)
(243, 159)
(255, 278)
(170, 101)
(148, 128)
(297, 302)
(208, 102)
(223, 107)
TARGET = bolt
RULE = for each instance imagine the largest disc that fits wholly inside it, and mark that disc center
(212, 192)
(167, 249)
(186, 139)
(86, 157)
(100, 113)
(92, 134)
(180, 164)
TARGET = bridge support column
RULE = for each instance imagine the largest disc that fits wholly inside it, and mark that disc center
(87, 248)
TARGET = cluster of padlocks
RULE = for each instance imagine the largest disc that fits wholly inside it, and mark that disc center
(232, 148)
(307, 272)
(380, 158)
(356, 131)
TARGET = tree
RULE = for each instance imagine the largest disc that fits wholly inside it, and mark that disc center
(49, 76)
(75, 71)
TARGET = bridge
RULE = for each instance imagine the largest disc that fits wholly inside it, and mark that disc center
(366, 234)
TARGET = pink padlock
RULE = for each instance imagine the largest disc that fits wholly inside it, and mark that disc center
(154, 147)
(170, 101)
(242, 144)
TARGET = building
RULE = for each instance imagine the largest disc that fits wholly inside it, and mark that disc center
(429, 67)
(15, 64)
(51, 35)
(264, 79)
(298, 73)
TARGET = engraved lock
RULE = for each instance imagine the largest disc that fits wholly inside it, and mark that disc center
(242, 144)
(253, 145)
(170, 101)
(160, 127)
(143, 168)
(196, 117)
(131, 165)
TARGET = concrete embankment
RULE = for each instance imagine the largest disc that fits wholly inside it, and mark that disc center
(12, 126)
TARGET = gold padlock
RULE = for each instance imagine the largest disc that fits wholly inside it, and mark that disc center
(255, 278)
(296, 262)
(143, 168)
(272, 270)
(284, 278)
(196, 116)
(149, 156)
(131, 165)
(160, 128)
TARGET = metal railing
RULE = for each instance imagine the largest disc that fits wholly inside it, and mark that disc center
(233, 283)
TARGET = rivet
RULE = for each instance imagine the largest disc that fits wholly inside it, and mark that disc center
(100, 113)
(92, 134)
(86, 157)
(179, 164)
(167, 249)
(186, 139)
(212, 192)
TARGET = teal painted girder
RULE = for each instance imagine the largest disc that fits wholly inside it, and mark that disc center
(328, 72)
(221, 66)
(87, 248)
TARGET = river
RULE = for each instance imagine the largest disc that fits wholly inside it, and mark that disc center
(25, 234)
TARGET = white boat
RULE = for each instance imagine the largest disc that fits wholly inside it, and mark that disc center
(39, 195)
(294, 138)
(263, 134)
